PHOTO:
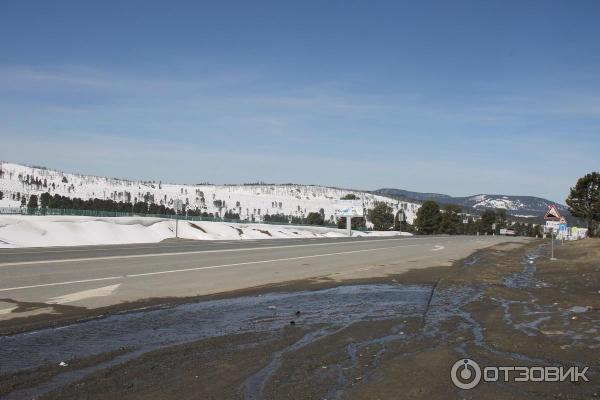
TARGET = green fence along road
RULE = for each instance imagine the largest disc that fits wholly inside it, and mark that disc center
(116, 214)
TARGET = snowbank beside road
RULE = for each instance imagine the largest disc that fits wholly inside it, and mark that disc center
(34, 231)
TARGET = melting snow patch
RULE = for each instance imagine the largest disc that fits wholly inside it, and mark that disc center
(30, 231)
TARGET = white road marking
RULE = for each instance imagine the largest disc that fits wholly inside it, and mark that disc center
(263, 261)
(178, 253)
(62, 249)
(438, 247)
(158, 245)
(62, 283)
(84, 294)
(203, 268)
(69, 249)
(7, 310)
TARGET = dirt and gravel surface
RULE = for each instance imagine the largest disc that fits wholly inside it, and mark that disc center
(382, 338)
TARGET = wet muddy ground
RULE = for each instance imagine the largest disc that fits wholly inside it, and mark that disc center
(388, 338)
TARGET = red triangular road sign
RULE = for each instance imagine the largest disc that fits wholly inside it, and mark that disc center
(552, 214)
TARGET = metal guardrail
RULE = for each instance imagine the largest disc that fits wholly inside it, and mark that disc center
(116, 214)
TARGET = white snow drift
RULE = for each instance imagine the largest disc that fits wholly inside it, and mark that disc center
(34, 231)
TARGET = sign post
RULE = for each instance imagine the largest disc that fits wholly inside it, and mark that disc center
(552, 239)
(562, 228)
(553, 215)
(349, 226)
(401, 219)
(348, 209)
(178, 208)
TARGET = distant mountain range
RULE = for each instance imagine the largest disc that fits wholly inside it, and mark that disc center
(518, 206)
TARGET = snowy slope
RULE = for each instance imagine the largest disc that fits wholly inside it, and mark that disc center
(530, 204)
(36, 231)
(521, 206)
(247, 200)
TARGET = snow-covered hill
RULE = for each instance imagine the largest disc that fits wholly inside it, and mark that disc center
(250, 201)
(518, 206)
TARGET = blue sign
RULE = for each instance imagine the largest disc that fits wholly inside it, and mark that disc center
(562, 227)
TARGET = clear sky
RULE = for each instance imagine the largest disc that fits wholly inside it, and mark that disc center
(450, 96)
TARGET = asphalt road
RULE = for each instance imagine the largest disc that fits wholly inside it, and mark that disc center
(96, 276)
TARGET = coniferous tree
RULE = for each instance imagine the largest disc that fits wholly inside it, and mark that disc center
(429, 218)
(140, 207)
(382, 217)
(314, 218)
(471, 227)
(518, 228)
(45, 199)
(356, 223)
(488, 219)
(451, 220)
(231, 215)
(33, 201)
(501, 219)
(584, 201)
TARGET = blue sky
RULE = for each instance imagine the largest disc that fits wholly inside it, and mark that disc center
(452, 97)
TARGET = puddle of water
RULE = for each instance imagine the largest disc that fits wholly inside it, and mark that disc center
(525, 278)
(531, 328)
(541, 314)
(471, 261)
(189, 322)
(254, 385)
(579, 309)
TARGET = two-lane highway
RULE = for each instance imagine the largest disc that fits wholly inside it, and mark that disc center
(95, 276)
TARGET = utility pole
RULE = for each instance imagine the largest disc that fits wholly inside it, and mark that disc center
(401, 218)
(349, 225)
(178, 207)
(552, 239)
